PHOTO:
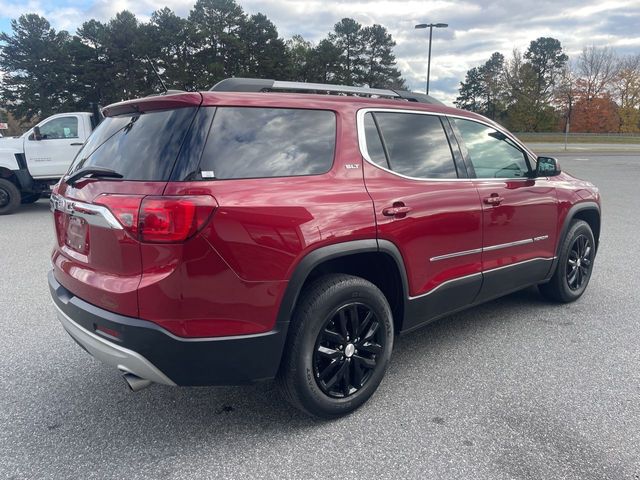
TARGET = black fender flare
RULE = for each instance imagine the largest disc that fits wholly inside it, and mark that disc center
(578, 207)
(330, 252)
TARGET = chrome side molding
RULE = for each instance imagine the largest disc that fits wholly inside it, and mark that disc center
(490, 248)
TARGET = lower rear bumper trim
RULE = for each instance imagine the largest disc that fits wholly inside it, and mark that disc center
(122, 358)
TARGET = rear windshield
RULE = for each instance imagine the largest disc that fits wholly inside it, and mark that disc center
(137, 146)
(249, 142)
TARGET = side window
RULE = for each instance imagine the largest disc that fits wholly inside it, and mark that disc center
(374, 144)
(417, 145)
(492, 154)
(60, 128)
(248, 142)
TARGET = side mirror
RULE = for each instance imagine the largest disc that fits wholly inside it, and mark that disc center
(547, 167)
(36, 133)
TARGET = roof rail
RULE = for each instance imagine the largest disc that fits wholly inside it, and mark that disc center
(263, 85)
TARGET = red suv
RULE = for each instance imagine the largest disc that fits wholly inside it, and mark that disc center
(285, 230)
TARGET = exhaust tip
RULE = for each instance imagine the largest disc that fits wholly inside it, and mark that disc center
(134, 382)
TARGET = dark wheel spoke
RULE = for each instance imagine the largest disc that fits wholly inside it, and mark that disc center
(357, 374)
(332, 337)
(337, 376)
(355, 321)
(346, 378)
(330, 370)
(365, 362)
(365, 323)
(370, 347)
(372, 331)
(329, 353)
(343, 323)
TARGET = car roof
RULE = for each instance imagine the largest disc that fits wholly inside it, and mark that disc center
(339, 103)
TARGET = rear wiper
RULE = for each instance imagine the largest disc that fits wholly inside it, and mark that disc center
(91, 172)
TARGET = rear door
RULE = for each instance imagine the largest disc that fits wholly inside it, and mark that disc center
(519, 212)
(425, 205)
(51, 155)
(97, 255)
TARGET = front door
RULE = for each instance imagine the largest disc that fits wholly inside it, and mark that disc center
(426, 207)
(519, 212)
(51, 154)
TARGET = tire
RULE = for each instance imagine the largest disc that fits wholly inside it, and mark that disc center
(318, 350)
(9, 197)
(575, 264)
(30, 198)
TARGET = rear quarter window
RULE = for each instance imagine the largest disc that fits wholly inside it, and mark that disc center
(253, 142)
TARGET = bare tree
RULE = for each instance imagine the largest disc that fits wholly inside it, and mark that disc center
(627, 93)
(598, 67)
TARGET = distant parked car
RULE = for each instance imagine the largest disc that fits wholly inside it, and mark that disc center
(257, 231)
(35, 161)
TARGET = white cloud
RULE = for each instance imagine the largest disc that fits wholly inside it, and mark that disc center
(476, 28)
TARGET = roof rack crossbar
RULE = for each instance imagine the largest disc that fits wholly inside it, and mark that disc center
(260, 85)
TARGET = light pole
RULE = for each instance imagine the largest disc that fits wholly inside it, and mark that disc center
(430, 27)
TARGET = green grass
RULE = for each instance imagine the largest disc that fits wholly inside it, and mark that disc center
(559, 138)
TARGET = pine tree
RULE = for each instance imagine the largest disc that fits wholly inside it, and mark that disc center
(379, 63)
(37, 66)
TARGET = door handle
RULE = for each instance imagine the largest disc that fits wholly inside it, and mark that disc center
(76, 144)
(494, 199)
(398, 209)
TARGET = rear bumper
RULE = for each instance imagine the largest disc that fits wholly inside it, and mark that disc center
(150, 352)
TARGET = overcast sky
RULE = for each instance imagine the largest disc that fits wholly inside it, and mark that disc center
(476, 28)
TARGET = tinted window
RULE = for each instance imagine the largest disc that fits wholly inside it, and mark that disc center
(417, 145)
(60, 128)
(138, 146)
(249, 142)
(492, 154)
(374, 145)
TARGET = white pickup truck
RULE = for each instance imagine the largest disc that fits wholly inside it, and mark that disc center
(31, 163)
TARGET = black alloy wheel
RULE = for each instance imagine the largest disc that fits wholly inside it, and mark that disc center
(347, 350)
(338, 346)
(579, 262)
(576, 255)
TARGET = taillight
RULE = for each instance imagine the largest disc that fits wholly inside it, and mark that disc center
(125, 208)
(173, 219)
(160, 219)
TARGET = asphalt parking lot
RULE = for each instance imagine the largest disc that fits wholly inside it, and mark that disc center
(514, 389)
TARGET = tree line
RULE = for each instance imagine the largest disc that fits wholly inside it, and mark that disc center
(48, 71)
(543, 91)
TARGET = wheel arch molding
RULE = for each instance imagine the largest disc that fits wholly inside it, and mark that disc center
(588, 211)
(348, 254)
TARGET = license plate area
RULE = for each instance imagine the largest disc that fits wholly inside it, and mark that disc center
(77, 237)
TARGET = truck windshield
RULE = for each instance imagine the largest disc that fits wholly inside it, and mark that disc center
(138, 146)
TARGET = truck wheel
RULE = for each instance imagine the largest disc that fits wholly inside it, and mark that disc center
(339, 346)
(9, 197)
(30, 198)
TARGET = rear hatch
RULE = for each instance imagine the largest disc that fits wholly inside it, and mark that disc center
(98, 216)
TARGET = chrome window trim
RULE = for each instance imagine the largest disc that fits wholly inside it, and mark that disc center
(362, 143)
(97, 215)
(433, 290)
